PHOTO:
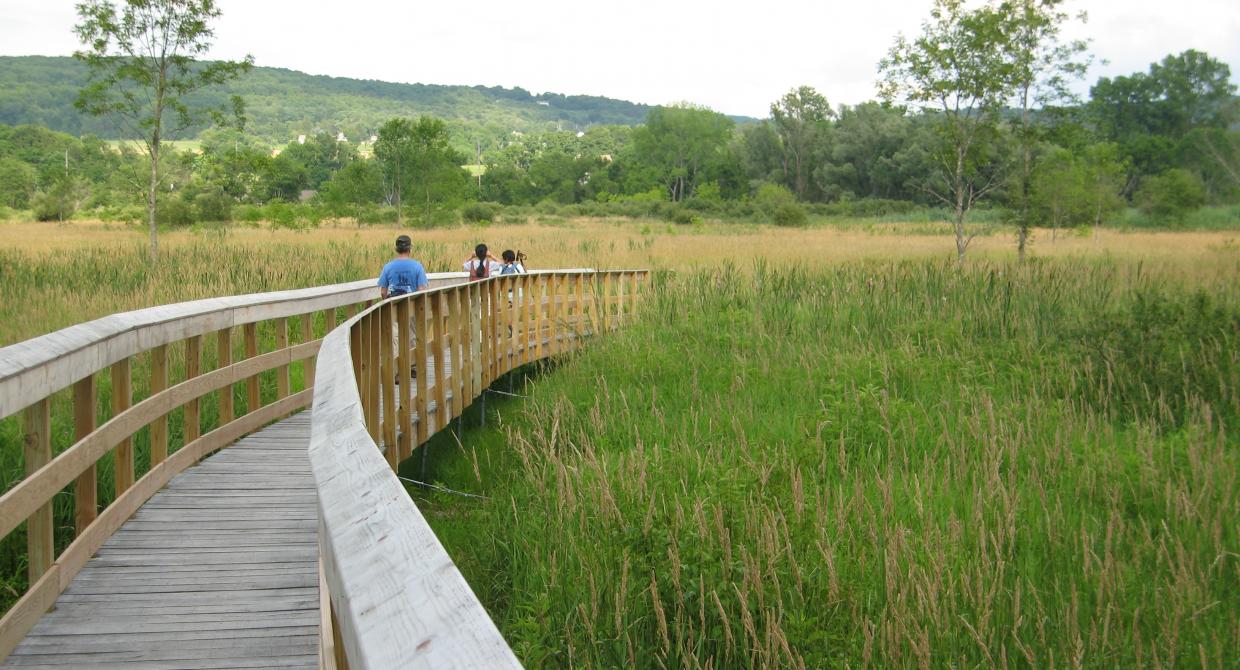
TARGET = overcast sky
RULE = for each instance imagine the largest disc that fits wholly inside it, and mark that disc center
(733, 57)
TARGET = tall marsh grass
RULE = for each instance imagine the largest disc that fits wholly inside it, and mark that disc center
(889, 464)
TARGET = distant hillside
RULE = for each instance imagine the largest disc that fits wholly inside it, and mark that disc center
(282, 104)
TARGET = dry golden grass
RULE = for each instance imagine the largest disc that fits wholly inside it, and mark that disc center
(82, 270)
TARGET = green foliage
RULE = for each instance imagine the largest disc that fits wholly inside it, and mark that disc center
(836, 450)
(1171, 195)
(479, 212)
(684, 145)
(17, 181)
(1166, 355)
(789, 214)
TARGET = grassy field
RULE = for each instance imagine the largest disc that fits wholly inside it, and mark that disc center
(818, 447)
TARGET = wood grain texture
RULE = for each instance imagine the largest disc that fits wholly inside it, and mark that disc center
(379, 555)
(85, 491)
(37, 448)
(195, 606)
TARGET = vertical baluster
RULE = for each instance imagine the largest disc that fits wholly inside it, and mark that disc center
(193, 368)
(84, 491)
(489, 318)
(37, 443)
(607, 301)
(282, 372)
(223, 354)
(249, 332)
(404, 446)
(460, 355)
(582, 316)
(474, 295)
(422, 361)
(637, 279)
(122, 398)
(439, 322)
(566, 306)
(355, 350)
(374, 377)
(307, 335)
(159, 382)
(363, 385)
(538, 288)
(528, 304)
(387, 360)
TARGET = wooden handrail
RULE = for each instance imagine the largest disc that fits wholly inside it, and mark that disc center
(395, 598)
(31, 372)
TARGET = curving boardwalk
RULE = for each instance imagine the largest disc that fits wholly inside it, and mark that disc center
(268, 538)
(218, 570)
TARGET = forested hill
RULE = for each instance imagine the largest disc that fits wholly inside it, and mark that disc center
(281, 104)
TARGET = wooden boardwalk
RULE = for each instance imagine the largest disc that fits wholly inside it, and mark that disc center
(218, 570)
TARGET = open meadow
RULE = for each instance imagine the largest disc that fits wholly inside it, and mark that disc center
(827, 446)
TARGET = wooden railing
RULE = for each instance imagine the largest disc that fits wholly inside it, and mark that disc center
(396, 600)
(36, 375)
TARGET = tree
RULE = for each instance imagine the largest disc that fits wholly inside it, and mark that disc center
(141, 67)
(682, 142)
(1150, 114)
(958, 69)
(1042, 69)
(415, 157)
(800, 120)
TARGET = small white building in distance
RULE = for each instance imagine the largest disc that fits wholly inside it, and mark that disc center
(341, 138)
(301, 139)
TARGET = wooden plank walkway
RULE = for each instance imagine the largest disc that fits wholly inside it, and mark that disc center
(218, 570)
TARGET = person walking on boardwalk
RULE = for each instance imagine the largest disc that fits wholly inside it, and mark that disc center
(481, 264)
(402, 274)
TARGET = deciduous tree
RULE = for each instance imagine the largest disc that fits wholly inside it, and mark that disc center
(141, 58)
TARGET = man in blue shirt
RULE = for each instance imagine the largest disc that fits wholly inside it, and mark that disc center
(402, 274)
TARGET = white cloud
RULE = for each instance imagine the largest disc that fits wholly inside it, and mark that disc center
(733, 57)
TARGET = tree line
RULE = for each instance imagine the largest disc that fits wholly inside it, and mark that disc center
(976, 111)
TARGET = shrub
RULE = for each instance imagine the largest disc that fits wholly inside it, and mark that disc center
(213, 207)
(682, 216)
(1171, 194)
(174, 212)
(789, 214)
(479, 212)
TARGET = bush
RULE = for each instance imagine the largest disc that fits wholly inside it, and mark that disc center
(789, 214)
(213, 207)
(480, 212)
(174, 212)
(1171, 194)
(682, 216)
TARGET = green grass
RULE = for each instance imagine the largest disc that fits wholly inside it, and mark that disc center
(893, 464)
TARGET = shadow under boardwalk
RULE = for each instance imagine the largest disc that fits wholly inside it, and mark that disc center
(217, 570)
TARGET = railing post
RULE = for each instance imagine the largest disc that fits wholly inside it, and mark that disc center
(85, 494)
(193, 368)
(307, 334)
(254, 400)
(404, 446)
(122, 398)
(37, 441)
(159, 382)
(223, 354)
(636, 289)
(355, 350)
(387, 360)
(282, 373)
(439, 323)
(476, 346)
(607, 301)
(460, 358)
(374, 351)
(421, 361)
